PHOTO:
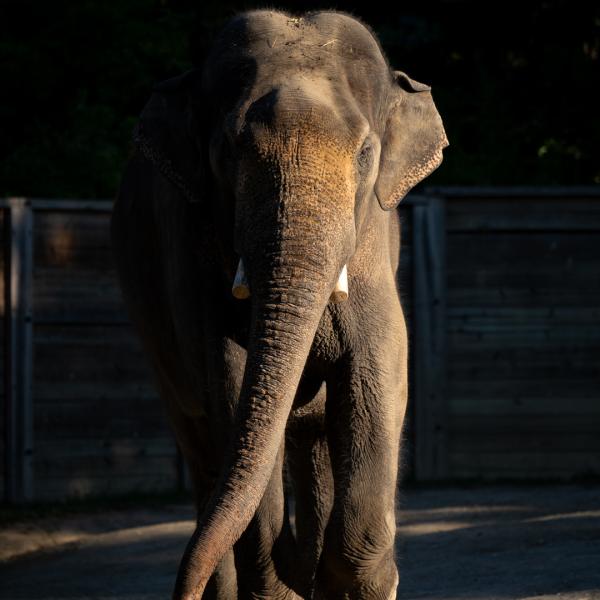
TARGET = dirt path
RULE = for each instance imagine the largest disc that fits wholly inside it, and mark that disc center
(477, 544)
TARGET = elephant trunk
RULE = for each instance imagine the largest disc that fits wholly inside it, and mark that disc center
(290, 289)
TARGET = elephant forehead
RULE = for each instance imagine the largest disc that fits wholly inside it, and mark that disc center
(265, 45)
(329, 34)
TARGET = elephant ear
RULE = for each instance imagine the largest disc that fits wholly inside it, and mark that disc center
(412, 143)
(168, 133)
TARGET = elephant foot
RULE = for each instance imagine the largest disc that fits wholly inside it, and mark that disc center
(280, 593)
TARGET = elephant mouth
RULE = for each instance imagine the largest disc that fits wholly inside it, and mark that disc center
(241, 288)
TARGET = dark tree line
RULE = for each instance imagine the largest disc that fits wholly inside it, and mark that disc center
(517, 84)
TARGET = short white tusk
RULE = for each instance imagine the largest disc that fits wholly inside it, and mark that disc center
(340, 291)
(240, 289)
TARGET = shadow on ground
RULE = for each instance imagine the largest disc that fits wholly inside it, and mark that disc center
(499, 543)
(476, 544)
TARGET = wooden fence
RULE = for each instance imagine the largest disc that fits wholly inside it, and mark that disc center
(502, 293)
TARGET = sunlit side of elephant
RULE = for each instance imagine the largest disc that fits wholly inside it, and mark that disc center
(283, 160)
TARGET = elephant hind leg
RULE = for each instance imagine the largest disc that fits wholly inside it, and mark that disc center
(312, 481)
(265, 555)
(223, 583)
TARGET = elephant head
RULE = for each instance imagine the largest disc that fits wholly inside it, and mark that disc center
(294, 133)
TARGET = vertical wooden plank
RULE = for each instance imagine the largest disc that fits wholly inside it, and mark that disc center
(10, 452)
(429, 338)
(19, 352)
(7, 347)
(26, 358)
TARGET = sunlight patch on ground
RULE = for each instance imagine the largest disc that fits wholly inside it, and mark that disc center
(584, 514)
(429, 528)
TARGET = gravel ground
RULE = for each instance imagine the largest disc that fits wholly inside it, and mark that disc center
(491, 543)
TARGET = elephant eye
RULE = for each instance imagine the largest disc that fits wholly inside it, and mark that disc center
(365, 156)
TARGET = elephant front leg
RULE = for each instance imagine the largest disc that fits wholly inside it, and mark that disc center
(365, 410)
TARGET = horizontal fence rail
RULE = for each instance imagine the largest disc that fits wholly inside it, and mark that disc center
(501, 291)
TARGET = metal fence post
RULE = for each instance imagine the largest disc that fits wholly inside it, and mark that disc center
(429, 289)
(18, 417)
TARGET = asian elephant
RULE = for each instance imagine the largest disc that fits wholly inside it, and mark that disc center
(279, 165)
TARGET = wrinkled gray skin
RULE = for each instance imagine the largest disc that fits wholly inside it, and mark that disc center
(291, 148)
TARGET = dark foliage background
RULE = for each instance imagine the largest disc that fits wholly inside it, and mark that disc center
(518, 85)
